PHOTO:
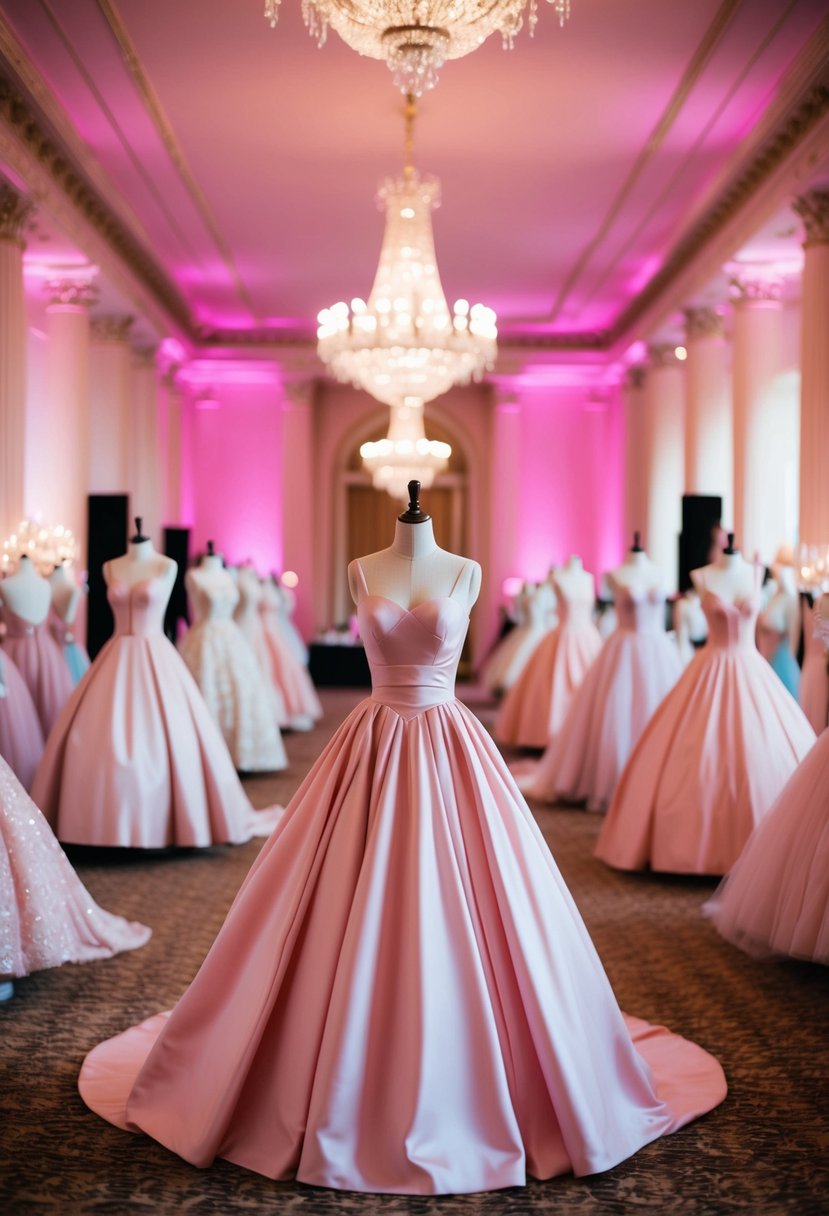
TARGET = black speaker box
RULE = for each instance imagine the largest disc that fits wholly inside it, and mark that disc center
(177, 546)
(106, 537)
(700, 515)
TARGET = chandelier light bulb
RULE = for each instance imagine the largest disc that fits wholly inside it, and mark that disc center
(405, 454)
(416, 37)
(46, 546)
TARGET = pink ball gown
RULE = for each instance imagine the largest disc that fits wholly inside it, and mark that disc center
(302, 704)
(637, 666)
(235, 690)
(40, 661)
(249, 619)
(813, 693)
(21, 735)
(535, 707)
(135, 759)
(403, 997)
(712, 759)
(47, 917)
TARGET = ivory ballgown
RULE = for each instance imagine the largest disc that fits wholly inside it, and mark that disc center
(403, 997)
(636, 667)
(135, 758)
(712, 759)
(47, 917)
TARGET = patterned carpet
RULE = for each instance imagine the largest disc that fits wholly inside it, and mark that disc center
(764, 1152)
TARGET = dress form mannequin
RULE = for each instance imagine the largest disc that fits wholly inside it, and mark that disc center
(26, 593)
(140, 562)
(637, 572)
(414, 569)
(729, 576)
(573, 580)
(66, 594)
(782, 613)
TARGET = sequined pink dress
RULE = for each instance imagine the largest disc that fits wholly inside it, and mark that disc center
(21, 735)
(712, 759)
(636, 667)
(535, 707)
(135, 759)
(47, 917)
(40, 661)
(403, 997)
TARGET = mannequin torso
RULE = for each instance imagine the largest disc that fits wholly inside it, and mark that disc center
(66, 594)
(141, 562)
(211, 589)
(637, 574)
(413, 569)
(730, 577)
(26, 593)
(574, 585)
(782, 613)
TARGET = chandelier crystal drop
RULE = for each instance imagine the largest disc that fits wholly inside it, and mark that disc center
(416, 37)
(405, 454)
(46, 545)
(403, 342)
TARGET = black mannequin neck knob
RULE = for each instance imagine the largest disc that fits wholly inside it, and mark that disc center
(636, 547)
(211, 549)
(413, 513)
(729, 548)
(139, 535)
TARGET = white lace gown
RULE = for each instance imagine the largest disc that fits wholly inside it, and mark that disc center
(224, 666)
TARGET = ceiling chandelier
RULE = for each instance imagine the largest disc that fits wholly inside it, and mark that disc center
(46, 545)
(416, 37)
(405, 454)
(403, 343)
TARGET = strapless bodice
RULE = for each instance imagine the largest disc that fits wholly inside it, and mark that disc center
(576, 611)
(215, 603)
(138, 608)
(18, 626)
(413, 653)
(642, 612)
(730, 624)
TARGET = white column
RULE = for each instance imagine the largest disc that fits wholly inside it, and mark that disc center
(14, 212)
(298, 497)
(144, 456)
(664, 401)
(635, 448)
(505, 509)
(172, 447)
(709, 444)
(759, 433)
(58, 422)
(109, 405)
(813, 208)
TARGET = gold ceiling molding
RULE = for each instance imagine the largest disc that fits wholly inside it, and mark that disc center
(813, 209)
(15, 212)
(19, 116)
(148, 95)
(703, 323)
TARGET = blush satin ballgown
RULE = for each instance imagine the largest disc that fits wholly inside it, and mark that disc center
(39, 659)
(21, 735)
(403, 997)
(47, 916)
(712, 759)
(535, 707)
(135, 759)
(636, 667)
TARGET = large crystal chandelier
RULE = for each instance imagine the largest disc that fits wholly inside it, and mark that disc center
(403, 342)
(416, 37)
(405, 454)
(47, 545)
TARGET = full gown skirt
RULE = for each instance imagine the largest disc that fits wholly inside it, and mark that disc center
(21, 735)
(511, 655)
(534, 709)
(40, 661)
(776, 898)
(636, 667)
(47, 917)
(291, 677)
(235, 690)
(249, 618)
(403, 997)
(712, 759)
(135, 759)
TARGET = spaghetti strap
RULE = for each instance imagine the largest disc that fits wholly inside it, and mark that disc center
(362, 578)
(461, 573)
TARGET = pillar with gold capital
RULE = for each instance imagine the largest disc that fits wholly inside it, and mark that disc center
(15, 211)
(664, 463)
(635, 449)
(298, 503)
(813, 209)
(144, 476)
(110, 393)
(709, 440)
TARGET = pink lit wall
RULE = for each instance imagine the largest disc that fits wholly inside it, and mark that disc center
(235, 475)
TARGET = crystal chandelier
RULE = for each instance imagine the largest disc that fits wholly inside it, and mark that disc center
(416, 37)
(46, 545)
(405, 454)
(404, 343)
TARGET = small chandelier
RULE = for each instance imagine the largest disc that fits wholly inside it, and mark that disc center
(404, 343)
(47, 546)
(416, 37)
(405, 454)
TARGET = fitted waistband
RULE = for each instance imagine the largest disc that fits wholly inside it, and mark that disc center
(412, 687)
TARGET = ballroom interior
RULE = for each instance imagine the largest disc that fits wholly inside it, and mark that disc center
(630, 216)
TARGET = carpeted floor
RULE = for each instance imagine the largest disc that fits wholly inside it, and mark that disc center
(764, 1152)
